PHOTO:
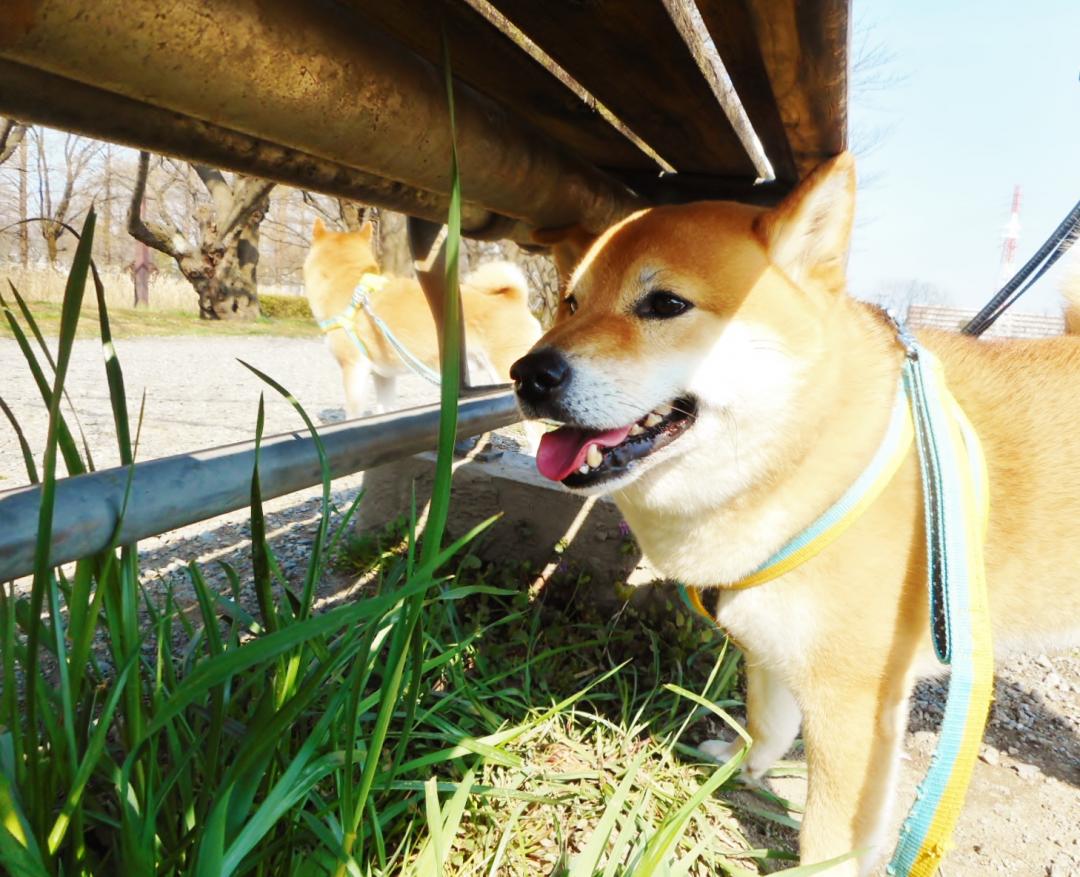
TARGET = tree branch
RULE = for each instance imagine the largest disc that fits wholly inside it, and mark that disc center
(221, 193)
(155, 235)
(249, 195)
(11, 135)
(349, 215)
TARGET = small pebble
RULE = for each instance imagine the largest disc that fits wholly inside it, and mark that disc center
(1027, 771)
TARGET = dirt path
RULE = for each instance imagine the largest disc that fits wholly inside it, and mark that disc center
(1023, 816)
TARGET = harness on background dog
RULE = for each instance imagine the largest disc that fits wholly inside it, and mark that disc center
(361, 300)
(956, 501)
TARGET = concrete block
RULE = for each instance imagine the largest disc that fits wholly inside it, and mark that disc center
(540, 523)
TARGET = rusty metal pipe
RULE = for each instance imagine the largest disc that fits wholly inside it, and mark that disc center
(47, 99)
(319, 79)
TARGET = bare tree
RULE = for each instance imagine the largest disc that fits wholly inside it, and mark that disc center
(221, 261)
(341, 212)
(901, 295)
(57, 209)
(391, 237)
(12, 133)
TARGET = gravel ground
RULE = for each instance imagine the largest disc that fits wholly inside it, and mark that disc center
(1023, 815)
(198, 395)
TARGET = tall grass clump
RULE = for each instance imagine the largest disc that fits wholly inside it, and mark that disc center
(442, 723)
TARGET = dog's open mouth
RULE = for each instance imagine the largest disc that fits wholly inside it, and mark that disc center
(583, 457)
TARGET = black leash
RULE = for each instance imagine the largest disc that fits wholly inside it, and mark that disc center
(1056, 246)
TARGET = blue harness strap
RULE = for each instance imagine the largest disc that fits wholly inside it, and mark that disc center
(361, 300)
(956, 508)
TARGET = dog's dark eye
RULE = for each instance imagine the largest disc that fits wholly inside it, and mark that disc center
(571, 303)
(660, 304)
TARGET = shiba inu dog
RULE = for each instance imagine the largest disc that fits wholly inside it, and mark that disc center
(1071, 292)
(495, 297)
(715, 378)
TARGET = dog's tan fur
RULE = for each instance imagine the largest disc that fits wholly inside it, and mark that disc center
(498, 324)
(1071, 291)
(795, 382)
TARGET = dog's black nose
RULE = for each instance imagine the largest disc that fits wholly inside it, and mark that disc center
(538, 377)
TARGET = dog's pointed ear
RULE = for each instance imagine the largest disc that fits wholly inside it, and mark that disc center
(318, 230)
(808, 233)
(568, 244)
(365, 231)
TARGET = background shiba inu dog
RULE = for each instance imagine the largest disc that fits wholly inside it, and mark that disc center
(495, 300)
(715, 378)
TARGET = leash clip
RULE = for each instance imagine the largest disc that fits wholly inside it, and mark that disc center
(911, 346)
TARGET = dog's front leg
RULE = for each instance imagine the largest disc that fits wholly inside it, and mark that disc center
(853, 735)
(356, 376)
(385, 391)
(772, 720)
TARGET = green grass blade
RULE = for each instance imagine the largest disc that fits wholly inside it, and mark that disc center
(24, 445)
(65, 441)
(114, 374)
(662, 845)
(587, 862)
(18, 848)
(442, 826)
(451, 344)
(28, 318)
(819, 867)
(211, 860)
(42, 568)
(260, 560)
(315, 565)
(291, 787)
(89, 762)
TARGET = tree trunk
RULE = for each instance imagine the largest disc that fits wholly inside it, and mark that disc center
(222, 267)
(226, 279)
(106, 210)
(24, 227)
(51, 232)
(352, 214)
(393, 250)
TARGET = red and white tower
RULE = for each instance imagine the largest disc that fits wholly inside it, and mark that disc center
(1009, 241)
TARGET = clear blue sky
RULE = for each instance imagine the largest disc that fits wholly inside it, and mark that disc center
(985, 95)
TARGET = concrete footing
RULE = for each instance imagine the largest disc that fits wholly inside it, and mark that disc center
(540, 524)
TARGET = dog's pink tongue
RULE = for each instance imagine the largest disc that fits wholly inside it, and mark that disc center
(562, 452)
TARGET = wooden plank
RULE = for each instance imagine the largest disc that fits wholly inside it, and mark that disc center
(732, 31)
(490, 62)
(803, 44)
(631, 57)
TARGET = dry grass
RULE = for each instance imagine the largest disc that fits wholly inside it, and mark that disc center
(172, 309)
(167, 292)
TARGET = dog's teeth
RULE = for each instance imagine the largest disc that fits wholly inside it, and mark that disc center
(594, 458)
(652, 420)
(663, 410)
(636, 430)
(584, 470)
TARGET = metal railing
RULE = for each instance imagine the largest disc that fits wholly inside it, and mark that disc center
(175, 491)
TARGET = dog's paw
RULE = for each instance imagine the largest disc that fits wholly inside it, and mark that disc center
(721, 751)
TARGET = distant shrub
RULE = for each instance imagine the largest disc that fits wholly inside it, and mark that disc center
(288, 307)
